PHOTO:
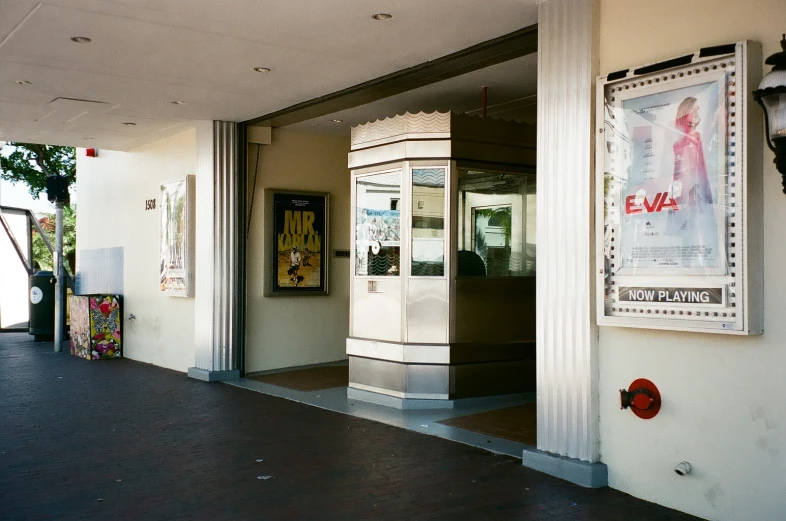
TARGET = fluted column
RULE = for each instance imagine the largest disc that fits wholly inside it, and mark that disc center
(219, 252)
(567, 359)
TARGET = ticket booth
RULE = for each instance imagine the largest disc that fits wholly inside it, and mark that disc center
(442, 301)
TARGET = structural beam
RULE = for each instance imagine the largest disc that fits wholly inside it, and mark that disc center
(507, 47)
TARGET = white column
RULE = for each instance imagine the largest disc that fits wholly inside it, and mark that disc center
(567, 358)
(219, 264)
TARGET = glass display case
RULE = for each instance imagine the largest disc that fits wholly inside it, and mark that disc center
(442, 301)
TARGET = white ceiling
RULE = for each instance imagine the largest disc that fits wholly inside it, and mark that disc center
(145, 54)
(511, 94)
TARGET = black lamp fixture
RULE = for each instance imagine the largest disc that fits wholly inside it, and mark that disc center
(771, 95)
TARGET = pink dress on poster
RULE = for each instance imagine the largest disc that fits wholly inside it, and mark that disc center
(690, 169)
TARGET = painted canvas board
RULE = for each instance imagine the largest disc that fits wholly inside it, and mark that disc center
(96, 326)
(80, 326)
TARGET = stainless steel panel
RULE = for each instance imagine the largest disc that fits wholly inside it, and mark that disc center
(398, 152)
(373, 349)
(397, 352)
(403, 380)
(427, 310)
(377, 373)
(377, 315)
(427, 380)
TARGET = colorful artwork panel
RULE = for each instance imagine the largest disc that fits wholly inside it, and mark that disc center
(80, 327)
(105, 340)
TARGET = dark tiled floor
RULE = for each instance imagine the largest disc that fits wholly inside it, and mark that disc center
(118, 439)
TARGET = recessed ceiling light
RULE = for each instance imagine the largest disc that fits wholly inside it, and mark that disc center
(261, 69)
(129, 123)
(81, 39)
(338, 121)
(24, 82)
(178, 102)
(382, 16)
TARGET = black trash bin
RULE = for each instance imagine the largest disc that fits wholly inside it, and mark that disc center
(42, 304)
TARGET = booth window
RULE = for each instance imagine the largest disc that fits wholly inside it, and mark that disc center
(428, 222)
(378, 225)
(496, 224)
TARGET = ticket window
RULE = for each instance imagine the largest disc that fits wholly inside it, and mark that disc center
(496, 224)
(496, 257)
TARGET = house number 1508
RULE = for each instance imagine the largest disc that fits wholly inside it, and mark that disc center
(150, 204)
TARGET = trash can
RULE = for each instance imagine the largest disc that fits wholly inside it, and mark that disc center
(42, 304)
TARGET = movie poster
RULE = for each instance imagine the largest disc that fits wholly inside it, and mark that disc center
(300, 249)
(671, 199)
(175, 263)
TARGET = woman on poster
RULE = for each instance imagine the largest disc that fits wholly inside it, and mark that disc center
(690, 188)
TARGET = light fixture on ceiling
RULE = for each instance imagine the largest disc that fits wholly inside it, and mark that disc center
(338, 120)
(129, 123)
(81, 39)
(261, 69)
(24, 82)
(179, 102)
(382, 16)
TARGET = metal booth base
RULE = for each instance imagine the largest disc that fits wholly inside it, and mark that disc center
(441, 372)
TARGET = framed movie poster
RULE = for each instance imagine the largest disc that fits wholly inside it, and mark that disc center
(297, 244)
(678, 235)
(176, 266)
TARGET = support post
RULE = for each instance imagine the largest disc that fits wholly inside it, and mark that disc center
(220, 276)
(567, 337)
(60, 284)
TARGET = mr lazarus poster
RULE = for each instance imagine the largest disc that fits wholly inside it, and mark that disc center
(300, 243)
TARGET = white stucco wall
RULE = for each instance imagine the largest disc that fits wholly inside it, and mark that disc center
(112, 191)
(722, 410)
(299, 330)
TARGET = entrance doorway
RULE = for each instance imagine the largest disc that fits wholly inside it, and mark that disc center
(294, 345)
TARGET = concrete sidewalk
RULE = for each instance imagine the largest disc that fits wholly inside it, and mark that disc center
(118, 439)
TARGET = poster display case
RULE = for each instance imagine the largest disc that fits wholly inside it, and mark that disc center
(297, 246)
(177, 236)
(678, 237)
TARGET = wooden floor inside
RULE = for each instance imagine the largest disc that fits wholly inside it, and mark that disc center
(517, 423)
(312, 379)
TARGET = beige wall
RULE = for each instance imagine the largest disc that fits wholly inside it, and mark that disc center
(722, 410)
(112, 191)
(292, 331)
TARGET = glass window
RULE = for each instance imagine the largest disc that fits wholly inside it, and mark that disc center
(428, 222)
(496, 224)
(378, 224)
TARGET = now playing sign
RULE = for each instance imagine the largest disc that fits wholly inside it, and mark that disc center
(672, 295)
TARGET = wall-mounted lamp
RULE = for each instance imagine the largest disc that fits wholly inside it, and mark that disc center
(771, 95)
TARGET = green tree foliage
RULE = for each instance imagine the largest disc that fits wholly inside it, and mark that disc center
(41, 252)
(31, 164)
